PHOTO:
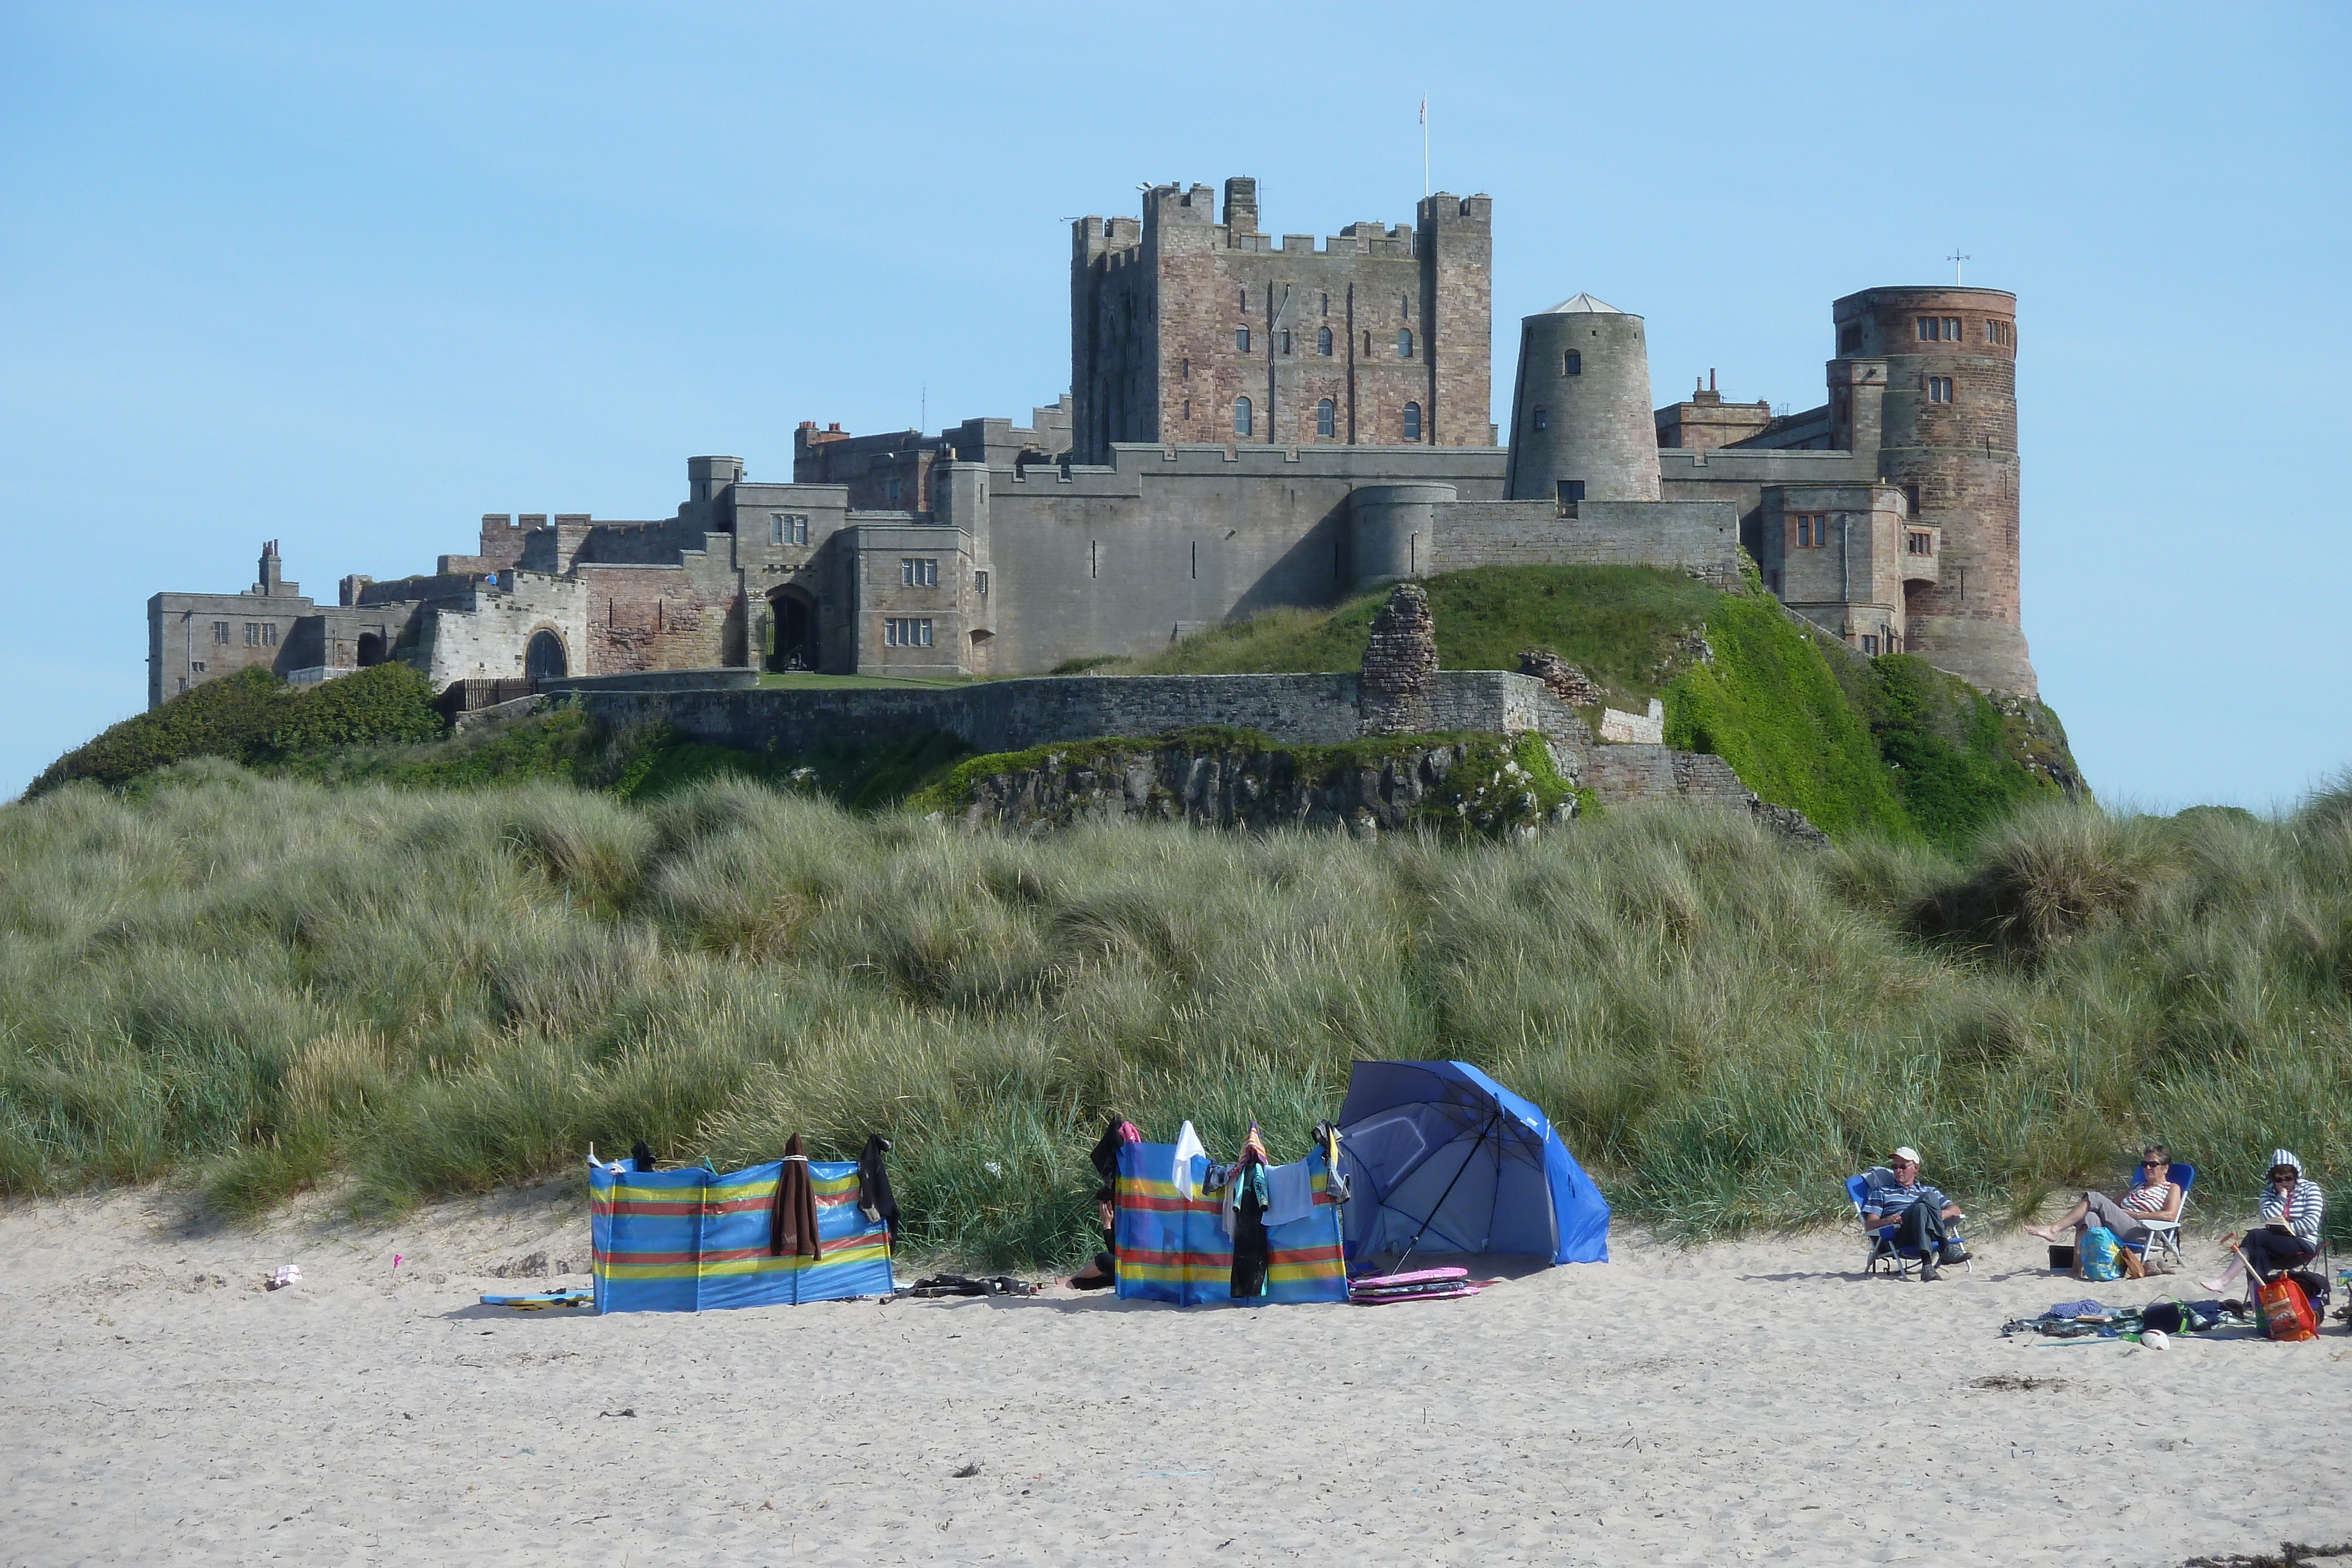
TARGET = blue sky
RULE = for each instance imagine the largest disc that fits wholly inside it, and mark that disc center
(349, 276)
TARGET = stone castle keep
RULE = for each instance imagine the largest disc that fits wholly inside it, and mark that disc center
(1250, 423)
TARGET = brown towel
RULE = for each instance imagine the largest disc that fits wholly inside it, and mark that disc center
(793, 1229)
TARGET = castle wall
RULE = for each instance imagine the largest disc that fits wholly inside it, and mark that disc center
(486, 638)
(1013, 716)
(1701, 537)
(1119, 559)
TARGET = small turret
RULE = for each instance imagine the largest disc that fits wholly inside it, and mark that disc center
(1582, 425)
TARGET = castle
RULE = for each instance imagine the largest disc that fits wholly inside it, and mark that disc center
(1249, 425)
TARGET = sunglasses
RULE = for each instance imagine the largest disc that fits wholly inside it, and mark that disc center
(2283, 1175)
(2153, 1164)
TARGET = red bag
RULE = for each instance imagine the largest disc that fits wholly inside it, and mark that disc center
(2286, 1312)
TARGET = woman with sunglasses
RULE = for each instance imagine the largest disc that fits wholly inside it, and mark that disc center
(2153, 1195)
(2291, 1208)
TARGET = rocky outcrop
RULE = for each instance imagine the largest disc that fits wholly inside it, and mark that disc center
(1568, 683)
(1478, 786)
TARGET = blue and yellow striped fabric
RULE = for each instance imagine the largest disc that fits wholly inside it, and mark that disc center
(1170, 1248)
(693, 1240)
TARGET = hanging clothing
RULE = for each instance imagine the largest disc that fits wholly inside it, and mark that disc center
(1289, 1193)
(1250, 1247)
(792, 1231)
(1188, 1144)
(875, 1199)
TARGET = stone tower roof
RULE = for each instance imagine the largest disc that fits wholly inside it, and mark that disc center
(1583, 304)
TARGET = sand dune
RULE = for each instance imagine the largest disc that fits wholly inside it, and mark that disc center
(1747, 1402)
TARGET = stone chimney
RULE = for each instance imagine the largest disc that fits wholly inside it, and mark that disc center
(1400, 673)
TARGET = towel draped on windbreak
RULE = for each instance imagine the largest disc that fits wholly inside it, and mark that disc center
(793, 1229)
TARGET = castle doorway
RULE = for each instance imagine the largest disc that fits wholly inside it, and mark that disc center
(543, 658)
(794, 617)
(370, 650)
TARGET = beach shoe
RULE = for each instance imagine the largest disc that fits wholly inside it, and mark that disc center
(1928, 1271)
(1954, 1253)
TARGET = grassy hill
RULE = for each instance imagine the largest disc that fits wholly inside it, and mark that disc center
(1891, 744)
(259, 985)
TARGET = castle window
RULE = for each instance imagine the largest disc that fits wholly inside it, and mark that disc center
(1921, 544)
(1572, 496)
(787, 528)
(1323, 341)
(980, 584)
(1849, 339)
(905, 631)
(1326, 310)
(1939, 388)
(1327, 418)
(220, 632)
(1870, 644)
(895, 492)
(1241, 416)
(1241, 340)
(1413, 421)
(1106, 229)
(1368, 345)
(1543, 417)
(1286, 340)
(918, 572)
(1188, 408)
(2000, 334)
(1245, 296)
(1188, 370)
(1813, 530)
(1573, 365)
(1940, 328)
(1404, 343)
(252, 634)
(1404, 307)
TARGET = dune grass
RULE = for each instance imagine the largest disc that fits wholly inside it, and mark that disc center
(259, 984)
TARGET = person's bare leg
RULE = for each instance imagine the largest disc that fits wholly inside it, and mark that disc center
(2230, 1275)
(2073, 1220)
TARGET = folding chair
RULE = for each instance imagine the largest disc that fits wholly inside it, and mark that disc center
(2164, 1235)
(1881, 1248)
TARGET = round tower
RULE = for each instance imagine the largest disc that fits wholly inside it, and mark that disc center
(1582, 425)
(1949, 440)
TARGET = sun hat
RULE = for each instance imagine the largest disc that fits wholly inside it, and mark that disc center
(1907, 1154)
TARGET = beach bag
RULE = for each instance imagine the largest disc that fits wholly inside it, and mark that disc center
(2286, 1312)
(2097, 1258)
(2315, 1291)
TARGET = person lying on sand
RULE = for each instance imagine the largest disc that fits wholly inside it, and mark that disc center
(2153, 1195)
(1917, 1212)
(2289, 1238)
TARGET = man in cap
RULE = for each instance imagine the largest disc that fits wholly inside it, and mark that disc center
(1918, 1213)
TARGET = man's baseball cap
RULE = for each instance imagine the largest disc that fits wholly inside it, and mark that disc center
(1907, 1155)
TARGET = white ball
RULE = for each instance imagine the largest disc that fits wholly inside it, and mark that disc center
(2154, 1339)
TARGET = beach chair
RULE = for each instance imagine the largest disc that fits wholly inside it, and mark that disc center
(1881, 1250)
(2164, 1235)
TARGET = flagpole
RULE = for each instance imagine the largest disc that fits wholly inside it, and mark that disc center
(1424, 146)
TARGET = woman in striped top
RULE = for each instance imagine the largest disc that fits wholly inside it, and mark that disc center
(2292, 1208)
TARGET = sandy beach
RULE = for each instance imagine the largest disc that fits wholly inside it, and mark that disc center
(1756, 1402)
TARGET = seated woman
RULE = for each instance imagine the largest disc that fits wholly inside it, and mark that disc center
(2153, 1195)
(1103, 1272)
(2291, 1211)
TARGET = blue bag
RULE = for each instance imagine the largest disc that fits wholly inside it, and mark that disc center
(2100, 1254)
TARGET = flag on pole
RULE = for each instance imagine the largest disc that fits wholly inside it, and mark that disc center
(1424, 111)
